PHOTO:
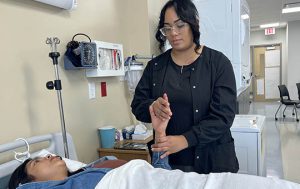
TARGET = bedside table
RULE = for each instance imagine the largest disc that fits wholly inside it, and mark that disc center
(126, 154)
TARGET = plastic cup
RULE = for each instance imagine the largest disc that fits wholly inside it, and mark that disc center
(107, 136)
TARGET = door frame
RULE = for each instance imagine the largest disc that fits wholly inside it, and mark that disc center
(252, 66)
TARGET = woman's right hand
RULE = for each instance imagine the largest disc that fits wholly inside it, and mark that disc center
(169, 144)
(161, 107)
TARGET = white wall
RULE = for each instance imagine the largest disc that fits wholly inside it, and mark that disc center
(293, 70)
(259, 38)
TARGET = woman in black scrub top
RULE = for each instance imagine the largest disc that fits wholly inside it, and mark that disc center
(194, 87)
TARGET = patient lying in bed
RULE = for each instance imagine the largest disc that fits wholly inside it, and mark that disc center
(52, 172)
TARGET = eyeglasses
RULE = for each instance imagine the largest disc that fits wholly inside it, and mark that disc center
(177, 27)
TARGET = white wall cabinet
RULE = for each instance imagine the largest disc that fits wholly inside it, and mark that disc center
(110, 60)
(247, 131)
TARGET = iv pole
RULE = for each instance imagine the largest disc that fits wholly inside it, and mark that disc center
(53, 41)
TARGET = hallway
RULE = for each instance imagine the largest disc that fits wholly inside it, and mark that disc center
(282, 140)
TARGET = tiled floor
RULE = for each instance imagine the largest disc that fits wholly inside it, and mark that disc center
(282, 137)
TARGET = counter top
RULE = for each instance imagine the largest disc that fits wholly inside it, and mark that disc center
(248, 123)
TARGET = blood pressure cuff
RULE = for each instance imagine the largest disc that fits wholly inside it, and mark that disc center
(81, 54)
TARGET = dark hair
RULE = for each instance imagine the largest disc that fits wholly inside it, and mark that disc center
(20, 176)
(187, 12)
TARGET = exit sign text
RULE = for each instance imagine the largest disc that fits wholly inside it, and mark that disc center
(269, 31)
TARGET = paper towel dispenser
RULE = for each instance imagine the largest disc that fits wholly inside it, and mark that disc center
(65, 4)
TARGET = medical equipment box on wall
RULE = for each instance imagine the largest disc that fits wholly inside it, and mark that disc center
(247, 131)
(110, 60)
(225, 26)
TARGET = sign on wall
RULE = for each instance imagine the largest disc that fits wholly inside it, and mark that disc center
(269, 31)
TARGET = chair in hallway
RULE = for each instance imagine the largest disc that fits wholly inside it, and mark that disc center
(286, 100)
(298, 87)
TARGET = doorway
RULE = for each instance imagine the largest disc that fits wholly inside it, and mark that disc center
(266, 66)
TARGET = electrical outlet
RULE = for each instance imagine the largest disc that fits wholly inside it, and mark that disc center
(92, 90)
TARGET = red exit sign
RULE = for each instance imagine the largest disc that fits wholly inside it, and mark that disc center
(269, 31)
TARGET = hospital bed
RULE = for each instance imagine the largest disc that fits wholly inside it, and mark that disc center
(50, 142)
(138, 174)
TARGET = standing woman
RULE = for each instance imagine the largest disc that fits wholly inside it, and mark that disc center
(194, 87)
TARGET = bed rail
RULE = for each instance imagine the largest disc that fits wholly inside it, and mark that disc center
(55, 146)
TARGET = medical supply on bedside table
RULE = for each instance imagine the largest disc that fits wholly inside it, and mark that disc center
(119, 136)
(128, 131)
(141, 132)
(138, 132)
(130, 146)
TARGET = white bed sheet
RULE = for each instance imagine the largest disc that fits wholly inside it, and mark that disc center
(138, 174)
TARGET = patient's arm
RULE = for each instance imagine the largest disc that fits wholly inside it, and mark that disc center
(159, 127)
(165, 144)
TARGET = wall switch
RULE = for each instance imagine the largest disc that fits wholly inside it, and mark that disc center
(103, 89)
(92, 90)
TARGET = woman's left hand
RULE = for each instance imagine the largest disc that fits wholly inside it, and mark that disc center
(170, 145)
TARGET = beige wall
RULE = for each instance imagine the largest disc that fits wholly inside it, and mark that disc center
(154, 9)
(27, 107)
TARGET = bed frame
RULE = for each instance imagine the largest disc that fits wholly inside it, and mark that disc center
(55, 145)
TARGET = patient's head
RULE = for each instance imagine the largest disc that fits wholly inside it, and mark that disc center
(39, 169)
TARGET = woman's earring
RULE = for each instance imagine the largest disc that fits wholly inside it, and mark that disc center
(162, 37)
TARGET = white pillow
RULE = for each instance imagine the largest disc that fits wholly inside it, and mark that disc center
(72, 165)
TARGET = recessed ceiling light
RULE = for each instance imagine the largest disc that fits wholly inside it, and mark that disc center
(269, 25)
(289, 10)
(291, 7)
